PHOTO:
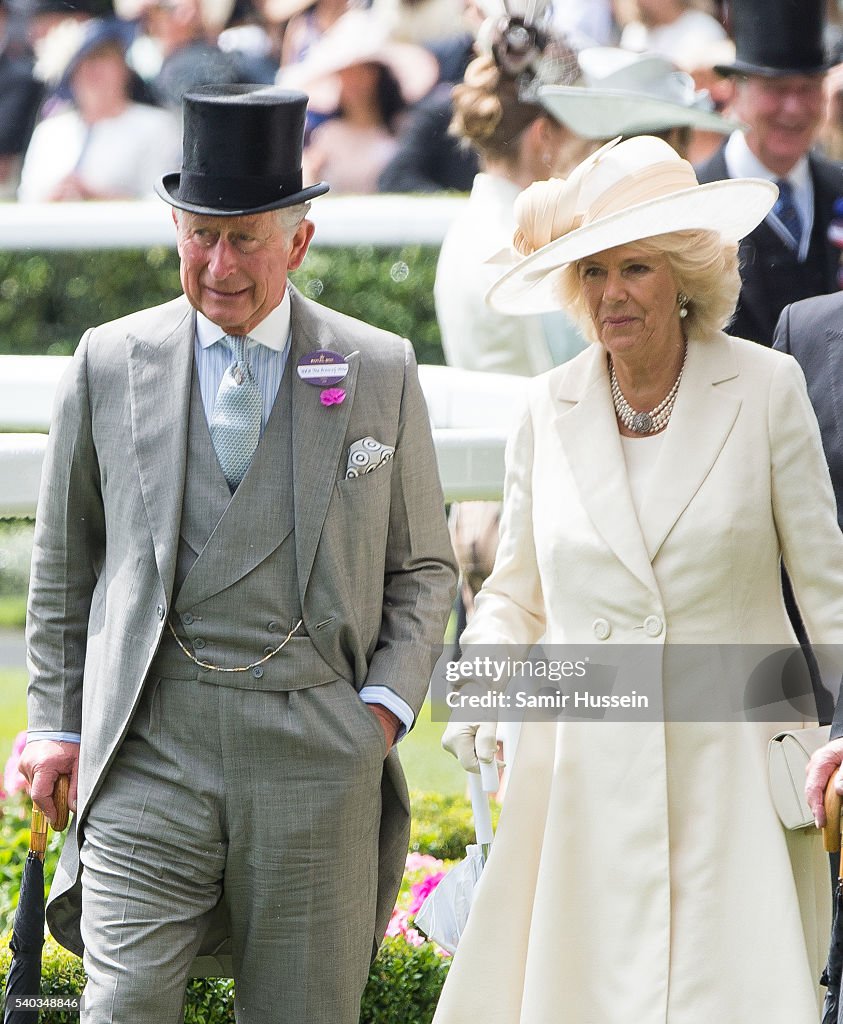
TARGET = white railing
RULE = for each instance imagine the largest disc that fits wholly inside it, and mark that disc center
(471, 414)
(384, 220)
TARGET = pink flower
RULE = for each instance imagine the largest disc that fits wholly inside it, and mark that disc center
(397, 923)
(423, 861)
(13, 781)
(421, 890)
(332, 396)
(413, 937)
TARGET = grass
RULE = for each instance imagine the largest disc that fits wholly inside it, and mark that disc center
(12, 708)
(12, 611)
(428, 767)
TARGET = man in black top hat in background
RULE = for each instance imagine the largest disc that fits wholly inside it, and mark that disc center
(779, 69)
(242, 571)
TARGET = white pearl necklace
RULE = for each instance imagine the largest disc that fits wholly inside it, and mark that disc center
(644, 422)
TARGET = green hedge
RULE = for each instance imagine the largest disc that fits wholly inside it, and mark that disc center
(443, 825)
(47, 299)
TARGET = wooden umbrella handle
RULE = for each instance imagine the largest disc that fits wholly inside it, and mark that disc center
(39, 827)
(831, 829)
(60, 792)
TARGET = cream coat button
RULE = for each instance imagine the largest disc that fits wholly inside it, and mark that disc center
(601, 629)
(653, 625)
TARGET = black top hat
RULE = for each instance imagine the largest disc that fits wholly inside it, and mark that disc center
(241, 152)
(777, 37)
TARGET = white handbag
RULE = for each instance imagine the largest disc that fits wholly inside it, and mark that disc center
(788, 755)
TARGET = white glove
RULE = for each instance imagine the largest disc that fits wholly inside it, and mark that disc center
(471, 742)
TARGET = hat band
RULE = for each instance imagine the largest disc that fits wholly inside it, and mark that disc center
(657, 180)
(233, 193)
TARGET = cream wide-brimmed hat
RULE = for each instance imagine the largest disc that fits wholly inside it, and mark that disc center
(359, 37)
(625, 192)
(624, 93)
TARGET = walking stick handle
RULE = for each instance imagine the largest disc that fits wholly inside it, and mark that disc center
(60, 792)
(39, 826)
(831, 829)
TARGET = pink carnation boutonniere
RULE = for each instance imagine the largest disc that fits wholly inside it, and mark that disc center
(332, 396)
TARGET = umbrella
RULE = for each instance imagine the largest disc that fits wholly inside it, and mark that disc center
(833, 972)
(443, 915)
(24, 979)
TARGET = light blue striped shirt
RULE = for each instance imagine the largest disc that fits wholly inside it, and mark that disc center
(269, 351)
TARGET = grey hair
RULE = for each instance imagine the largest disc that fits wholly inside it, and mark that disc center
(288, 217)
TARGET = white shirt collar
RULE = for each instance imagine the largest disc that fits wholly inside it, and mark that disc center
(741, 162)
(272, 331)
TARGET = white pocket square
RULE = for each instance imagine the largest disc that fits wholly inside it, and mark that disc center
(365, 455)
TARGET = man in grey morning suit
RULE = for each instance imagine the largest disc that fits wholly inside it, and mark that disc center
(237, 657)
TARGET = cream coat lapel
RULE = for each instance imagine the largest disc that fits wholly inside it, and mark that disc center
(318, 435)
(160, 368)
(588, 432)
(699, 425)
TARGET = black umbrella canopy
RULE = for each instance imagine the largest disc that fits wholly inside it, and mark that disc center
(23, 984)
(24, 979)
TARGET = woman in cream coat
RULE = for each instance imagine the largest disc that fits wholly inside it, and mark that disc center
(640, 872)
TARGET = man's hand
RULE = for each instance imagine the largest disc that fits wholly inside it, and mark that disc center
(821, 767)
(471, 742)
(41, 763)
(390, 723)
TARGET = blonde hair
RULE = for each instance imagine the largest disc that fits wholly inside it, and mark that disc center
(704, 266)
(488, 113)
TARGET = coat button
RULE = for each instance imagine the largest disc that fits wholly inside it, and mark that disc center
(199, 643)
(187, 618)
(273, 626)
(601, 629)
(160, 610)
(257, 672)
(653, 625)
(269, 650)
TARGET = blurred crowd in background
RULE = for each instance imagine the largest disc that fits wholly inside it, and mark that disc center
(90, 90)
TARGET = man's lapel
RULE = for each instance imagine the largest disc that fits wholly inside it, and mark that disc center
(160, 368)
(318, 433)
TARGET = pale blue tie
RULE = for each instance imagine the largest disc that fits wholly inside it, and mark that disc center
(236, 420)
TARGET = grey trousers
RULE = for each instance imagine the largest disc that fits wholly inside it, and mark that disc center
(267, 801)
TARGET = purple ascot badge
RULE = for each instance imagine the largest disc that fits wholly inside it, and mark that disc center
(322, 368)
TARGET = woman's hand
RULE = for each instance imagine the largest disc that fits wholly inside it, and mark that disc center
(821, 767)
(471, 742)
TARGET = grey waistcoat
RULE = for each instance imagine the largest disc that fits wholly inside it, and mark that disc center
(251, 535)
